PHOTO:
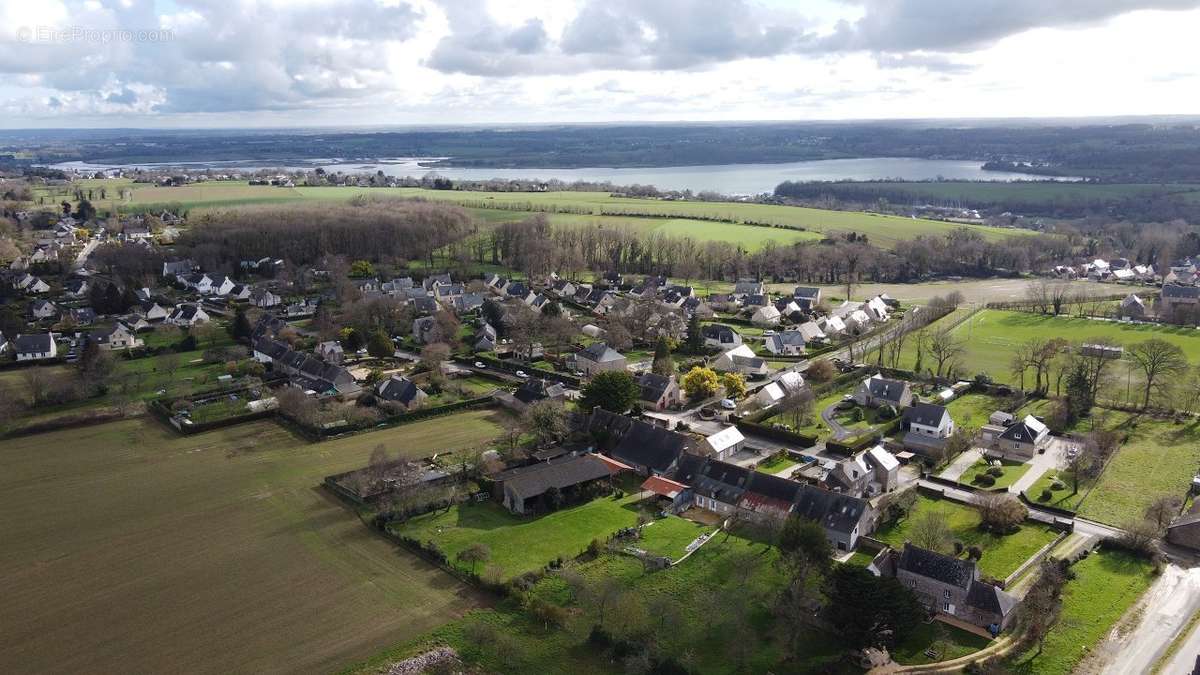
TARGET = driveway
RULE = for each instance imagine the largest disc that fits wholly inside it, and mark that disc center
(961, 463)
(1050, 460)
(1165, 611)
(827, 416)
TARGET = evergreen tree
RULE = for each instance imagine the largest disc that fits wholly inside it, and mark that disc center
(379, 344)
(695, 335)
(1079, 392)
(240, 329)
(615, 391)
(663, 363)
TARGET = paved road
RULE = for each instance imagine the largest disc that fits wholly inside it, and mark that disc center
(1166, 609)
(1187, 660)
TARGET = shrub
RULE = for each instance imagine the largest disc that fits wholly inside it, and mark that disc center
(1046, 495)
(985, 479)
(974, 552)
(995, 471)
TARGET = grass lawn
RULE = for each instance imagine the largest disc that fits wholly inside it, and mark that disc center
(1106, 585)
(218, 409)
(777, 464)
(1065, 498)
(521, 544)
(218, 552)
(1012, 472)
(859, 559)
(670, 536)
(1160, 459)
(971, 411)
(684, 606)
(1002, 554)
(948, 641)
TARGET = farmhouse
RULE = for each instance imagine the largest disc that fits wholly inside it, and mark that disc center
(116, 338)
(844, 518)
(948, 585)
(36, 347)
(1132, 307)
(306, 371)
(537, 389)
(599, 358)
(1179, 303)
(550, 484)
(1185, 530)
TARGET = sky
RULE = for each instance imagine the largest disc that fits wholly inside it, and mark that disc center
(278, 63)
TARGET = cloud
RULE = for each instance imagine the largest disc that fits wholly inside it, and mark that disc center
(967, 25)
(621, 35)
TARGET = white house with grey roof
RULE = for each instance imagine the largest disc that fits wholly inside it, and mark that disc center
(1021, 440)
(878, 390)
(599, 358)
(741, 359)
(787, 342)
(35, 347)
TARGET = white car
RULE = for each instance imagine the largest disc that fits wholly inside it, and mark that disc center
(480, 364)
(728, 404)
(522, 374)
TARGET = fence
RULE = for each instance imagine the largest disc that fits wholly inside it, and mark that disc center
(783, 435)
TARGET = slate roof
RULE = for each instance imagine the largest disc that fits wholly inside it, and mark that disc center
(989, 598)
(723, 481)
(808, 292)
(637, 442)
(926, 414)
(537, 389)
(653, 386)
(888, 390)
(717, 331)
(1025, 431)
(1181, 292)
(600, 352)
(834, 511)
(398, 388)
(33, 343)
(933, 565)
(537, 479)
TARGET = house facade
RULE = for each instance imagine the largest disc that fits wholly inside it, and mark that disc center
(948, 585)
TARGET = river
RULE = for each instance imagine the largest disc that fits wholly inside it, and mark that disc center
(731, 179)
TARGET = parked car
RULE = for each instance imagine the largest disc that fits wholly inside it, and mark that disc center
(728, 404)
(480, 364)
(522, 374)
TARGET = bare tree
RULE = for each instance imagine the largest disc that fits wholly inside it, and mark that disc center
(945, 350)
(1163, 510)
(1160, 362)
(1042, 607)
(931, 530)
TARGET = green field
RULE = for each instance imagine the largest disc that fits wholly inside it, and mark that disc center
(991, 336)
(669, 217)
(694, 629)
(1012, 473)
(1002, 554)
(1160, 459)
(972, 410)
(1044, 192)
(128, 548)
(1108, 583)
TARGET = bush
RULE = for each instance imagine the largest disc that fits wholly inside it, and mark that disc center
(1046, 495)
(985, 479)
(995, 471)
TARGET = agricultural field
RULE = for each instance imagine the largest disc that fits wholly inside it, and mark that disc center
(1031, 192)
(669, 217)
(146, 551)
(1002, 554)
(991, 336)
(1107, 584)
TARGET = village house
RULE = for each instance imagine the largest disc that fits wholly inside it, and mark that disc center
(150, 311)
(788, 383)
(1132, 307)
(422, 328)
(305, 370)
(1021, 440)
(807, 297)
(720, 335)
(787, 343)
(599, 358)
(844, 517)
(1185, 530)
(1179, 303)
(870, 473)
(948, 585)
(744, 287)
(877, 391)
(536, 389)
(42, 309)
(116, 338)
(658, 392)
(766, 315)
(647, 448)
(187, 314)
(35, 347)
(725, 443)
(400, 389)
(199, 282)
(330, 351)
(741, 359)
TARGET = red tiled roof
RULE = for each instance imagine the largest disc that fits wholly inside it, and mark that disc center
(663, 487)
(614, 466)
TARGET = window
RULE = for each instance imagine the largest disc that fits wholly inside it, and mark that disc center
(946, 595)
(945, 607)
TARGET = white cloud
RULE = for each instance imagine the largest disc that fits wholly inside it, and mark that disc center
(310, 62)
